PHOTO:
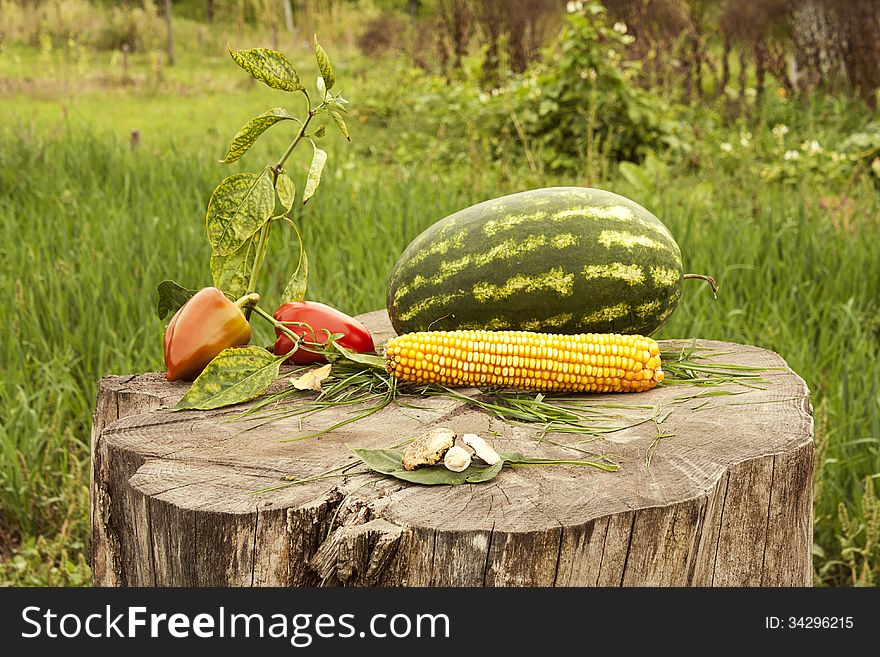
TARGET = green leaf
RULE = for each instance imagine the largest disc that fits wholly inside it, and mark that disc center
(485, 473)
(171, 297)
(637, 176)
(232, 272)
(320, 132)
(269, 67)
(238, 208)
(251, 131)
(318, 161)
(337, 105)
(324, 65)
(515, 458)
(390, 462)
(340, 123)
(321, 86)
(236, 375)
(296, 287)
(385, 461)
(286, 190)
(370, 360)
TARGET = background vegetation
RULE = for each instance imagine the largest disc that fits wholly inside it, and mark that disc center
(749, 127)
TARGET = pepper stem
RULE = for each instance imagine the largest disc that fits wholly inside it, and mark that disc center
(711, 281)
(299, 341)
(248, 300)
(279, 325)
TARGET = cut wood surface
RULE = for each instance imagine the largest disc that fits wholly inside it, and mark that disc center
(726, 499)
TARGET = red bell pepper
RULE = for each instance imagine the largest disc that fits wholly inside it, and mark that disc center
(320, 318)
(203, 327)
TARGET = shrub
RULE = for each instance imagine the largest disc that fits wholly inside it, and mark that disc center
(794, 161)
(57, 23)
(382, 34)
(578, 107)
(140, 28)
(583, 97)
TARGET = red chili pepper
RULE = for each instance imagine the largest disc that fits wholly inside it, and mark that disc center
(203, 327)
(319, 317)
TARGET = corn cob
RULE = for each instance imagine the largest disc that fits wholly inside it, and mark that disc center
(588, 362)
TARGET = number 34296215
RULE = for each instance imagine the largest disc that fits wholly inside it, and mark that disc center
(809, 622)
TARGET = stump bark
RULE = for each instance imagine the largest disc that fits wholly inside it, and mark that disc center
(725, 501)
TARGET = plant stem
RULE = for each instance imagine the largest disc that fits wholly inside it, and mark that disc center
(263, 240)
(293, 144)
(262, 247)
(250, 299)
(711, 281)
(278, 325)
(299, 136)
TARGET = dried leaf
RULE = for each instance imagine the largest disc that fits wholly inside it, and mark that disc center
(311, 379)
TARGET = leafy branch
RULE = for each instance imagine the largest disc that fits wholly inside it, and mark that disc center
(239, 219)
(243, 207)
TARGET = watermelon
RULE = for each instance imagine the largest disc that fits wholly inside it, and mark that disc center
(560, 259)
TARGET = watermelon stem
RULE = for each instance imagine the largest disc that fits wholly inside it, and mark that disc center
(711, 281)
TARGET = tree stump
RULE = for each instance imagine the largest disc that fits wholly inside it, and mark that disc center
(726, 499)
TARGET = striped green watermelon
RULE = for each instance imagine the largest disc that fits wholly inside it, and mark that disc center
(561, 259)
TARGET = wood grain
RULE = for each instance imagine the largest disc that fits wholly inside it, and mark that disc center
(726, 500)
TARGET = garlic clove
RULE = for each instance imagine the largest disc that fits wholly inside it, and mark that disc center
(482, 449)
(460, 443)
(457, 459)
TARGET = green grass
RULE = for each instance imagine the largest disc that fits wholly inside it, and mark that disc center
(88, 226)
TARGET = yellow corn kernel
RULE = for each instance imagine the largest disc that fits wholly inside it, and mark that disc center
(595, 362)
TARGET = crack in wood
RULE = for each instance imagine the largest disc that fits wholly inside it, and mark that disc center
(254, 547)
(720, 527)
(602, 556)
(694, 551)
(769, 511)
(558, 553)
(488, 554)
(632, 529)
(150, 535)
